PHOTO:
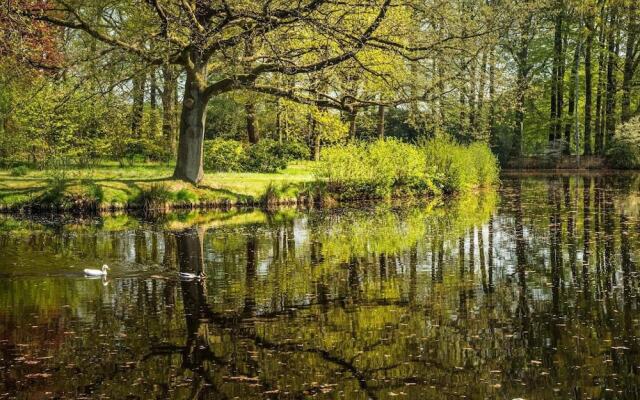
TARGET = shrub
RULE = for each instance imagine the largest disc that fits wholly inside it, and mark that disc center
(222, 155)
(379, 169)
(458, 167)
(348, 173)
(402, 163)
(154, 196)
(136, 150)
(54, 195)
(21, 170)
(264, 156)
(94, 193)
(486, 164)
(390, 167)
(624, 151)
(291, 151)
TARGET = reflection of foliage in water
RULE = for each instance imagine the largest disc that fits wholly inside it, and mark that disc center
(460, 300)
(384, 230)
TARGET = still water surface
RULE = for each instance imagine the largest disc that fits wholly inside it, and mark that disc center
(528, 292)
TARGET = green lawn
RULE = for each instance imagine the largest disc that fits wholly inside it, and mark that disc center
(110, 184)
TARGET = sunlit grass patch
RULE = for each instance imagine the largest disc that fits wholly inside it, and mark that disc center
(111, 186)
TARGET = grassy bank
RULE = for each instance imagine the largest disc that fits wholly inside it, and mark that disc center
(359, 171)
(110, 186)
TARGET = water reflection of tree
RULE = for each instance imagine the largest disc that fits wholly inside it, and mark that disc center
(248, 339)
(586, 223)
(522, 310)
(198, 355)
(388, 315)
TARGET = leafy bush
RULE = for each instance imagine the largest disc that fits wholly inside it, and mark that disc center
(265, 156)
(402, 163)
(458, 167)
(154, 196)
(624, 151)
(486, 164)
(275, 194)
(291, 151)
(379, 169)
(347, 172)
(222, 155)
(390, 167)
(444, 159)
(94, 192)
(20, 170)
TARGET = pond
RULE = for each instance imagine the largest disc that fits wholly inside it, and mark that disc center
(527, 292)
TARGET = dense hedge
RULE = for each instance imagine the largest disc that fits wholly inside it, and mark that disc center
(223, 155)
(392, 168)
(459, 167)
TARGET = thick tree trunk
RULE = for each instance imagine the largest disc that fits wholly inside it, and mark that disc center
(170, 83)
(576, 98)
(252, 129)
(561, 73)
(153, 91)
(473, 116)
(250, 106)
(557, 48)
(519, 117)
(441, 108)
(191, 140)
(483, 83)
(463, 110)
(413, 106)
(380, 129)
(313, 137)
(352, 125)
(588, 89)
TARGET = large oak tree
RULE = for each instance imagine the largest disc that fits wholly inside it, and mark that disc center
(208, 38)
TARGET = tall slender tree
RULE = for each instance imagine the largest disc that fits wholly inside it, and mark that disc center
(632, 57)
(599, 120)
(588, 82)
(521, 55)
(612, 88)
(573, 97)
(557, 77)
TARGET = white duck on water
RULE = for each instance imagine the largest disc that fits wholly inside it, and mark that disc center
(187, 276)
(96, 272)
